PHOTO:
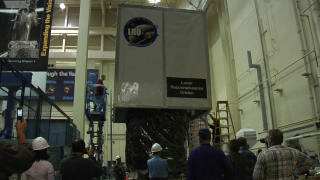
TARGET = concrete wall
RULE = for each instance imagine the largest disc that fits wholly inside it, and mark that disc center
(283, 46)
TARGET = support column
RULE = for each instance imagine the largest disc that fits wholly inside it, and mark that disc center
(81, 67)
(229, 62)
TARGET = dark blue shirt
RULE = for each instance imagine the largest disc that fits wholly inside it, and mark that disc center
(209, 163)
(251, 159)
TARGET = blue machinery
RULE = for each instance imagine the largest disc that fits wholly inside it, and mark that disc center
(96, 106)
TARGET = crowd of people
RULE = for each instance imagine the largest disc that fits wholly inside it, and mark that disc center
(32, 160)
(276, 163)
(204, 163)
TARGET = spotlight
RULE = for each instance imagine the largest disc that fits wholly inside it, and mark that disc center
(62, 6)
(110, 7)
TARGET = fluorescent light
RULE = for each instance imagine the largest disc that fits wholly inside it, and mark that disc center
(9, 11)
(154, 1)
(14, 11)
(39, 9)
(65, 62)
(62, 6)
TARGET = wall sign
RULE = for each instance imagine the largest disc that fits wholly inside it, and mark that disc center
(25, 33)
(186, 87)
(140, 32)
(60, 83)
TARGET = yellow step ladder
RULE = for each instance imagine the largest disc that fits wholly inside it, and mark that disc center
(223, 125)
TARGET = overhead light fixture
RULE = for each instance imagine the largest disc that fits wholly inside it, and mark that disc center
(62, 6)
(65, 62)
(110, 7)
(154, 1)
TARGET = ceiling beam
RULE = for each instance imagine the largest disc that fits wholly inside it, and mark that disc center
(58, 30)
(92, 55)
(97, 3)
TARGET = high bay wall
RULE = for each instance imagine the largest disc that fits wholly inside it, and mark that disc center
(283, 47)
(294, 97)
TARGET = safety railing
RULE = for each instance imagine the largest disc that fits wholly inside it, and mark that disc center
(16, 90)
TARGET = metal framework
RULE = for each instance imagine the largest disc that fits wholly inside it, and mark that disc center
(12, 81)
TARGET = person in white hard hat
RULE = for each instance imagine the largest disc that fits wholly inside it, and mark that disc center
(119, 169)
(158, 167)
(41, 169)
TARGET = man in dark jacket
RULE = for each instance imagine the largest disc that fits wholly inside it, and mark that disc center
(16, 158)
(78, 168)
(251, 158)
(207, 162)
(238, 162)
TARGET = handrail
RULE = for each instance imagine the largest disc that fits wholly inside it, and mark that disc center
(38, 90)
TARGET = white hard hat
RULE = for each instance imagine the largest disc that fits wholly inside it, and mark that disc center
(118, 157)
(156, 148)
(40, 143)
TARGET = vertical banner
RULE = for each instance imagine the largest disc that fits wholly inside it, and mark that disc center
(25, 33)
(60, 83)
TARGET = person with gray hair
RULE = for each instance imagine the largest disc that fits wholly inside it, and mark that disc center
(279, 162)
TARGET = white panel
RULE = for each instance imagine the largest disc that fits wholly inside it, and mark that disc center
(142, 65)
(179, 51)
(186, 53)
(91, 64)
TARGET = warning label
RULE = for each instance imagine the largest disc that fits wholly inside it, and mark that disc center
(186, 87)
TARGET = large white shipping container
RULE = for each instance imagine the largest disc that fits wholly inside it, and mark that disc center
(161, 59)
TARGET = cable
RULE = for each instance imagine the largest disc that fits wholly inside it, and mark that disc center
(248, 92)
(192, 4)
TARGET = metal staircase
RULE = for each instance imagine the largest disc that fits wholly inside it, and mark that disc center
(96, 117)
(224, 127)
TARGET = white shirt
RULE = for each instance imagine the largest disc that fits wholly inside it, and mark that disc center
(42, 170)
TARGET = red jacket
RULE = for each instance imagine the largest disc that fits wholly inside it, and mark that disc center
(99, 90)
